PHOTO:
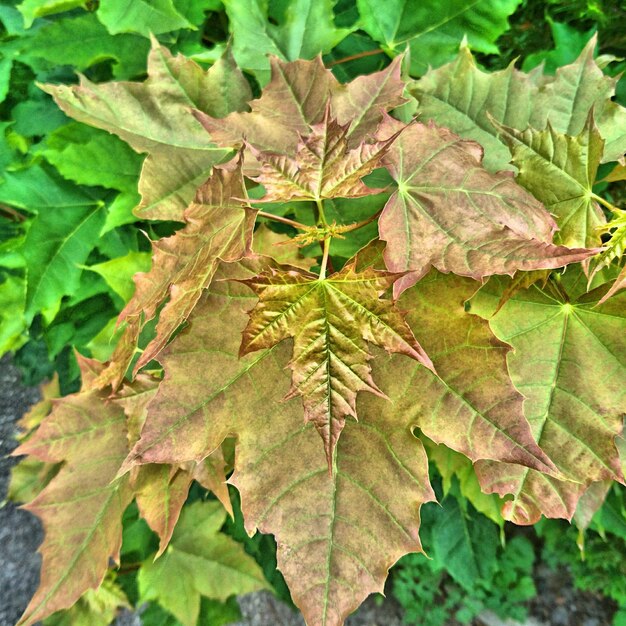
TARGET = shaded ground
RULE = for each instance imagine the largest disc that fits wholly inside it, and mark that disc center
(557, 603)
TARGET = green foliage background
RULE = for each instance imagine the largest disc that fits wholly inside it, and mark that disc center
(70, 243)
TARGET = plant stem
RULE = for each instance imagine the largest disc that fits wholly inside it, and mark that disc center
(369, 220)
(354, 57)
(283, 220)
(325, 258)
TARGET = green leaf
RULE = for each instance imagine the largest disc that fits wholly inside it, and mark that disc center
(92, 157)
(464, 545)
(200, 561)
(56, 44)
(98, 607)
(462, 97)
(12, 320)
(575, 414)
(568, 44)
(181, 155)
(560, 171)
(32, 9)
(451, 465)
(58, 243)
(440, 177)
(144, 17)
(119, 272)
(305, 29)
(433, 29)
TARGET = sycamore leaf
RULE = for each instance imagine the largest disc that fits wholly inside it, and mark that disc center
(322, 167)
(89, 435)
(180, 155)
(200, 561)
(560, 171)
(462, 97)
(568, 360)
(433, 29)
(297, 98)
(331, 320)
(337, 536)
(451, 213)
(305, 29)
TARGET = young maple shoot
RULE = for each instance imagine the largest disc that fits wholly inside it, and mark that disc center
(435, 356)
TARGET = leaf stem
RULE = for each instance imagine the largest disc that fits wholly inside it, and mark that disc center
(321, 216)
(354, 57)
(283, 220)
(16, 215)
(606, 203)
(325, 258)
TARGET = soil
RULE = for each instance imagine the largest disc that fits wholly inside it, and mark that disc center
(557, 603)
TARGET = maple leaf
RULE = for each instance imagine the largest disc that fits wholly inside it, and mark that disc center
(331, 321)
(451, 213)
(217, 227)
(297, 98)
(322, 167)
(337, 536)
(576, 414)
(89, 435)
(154, 117)
(200, 561)
(560, 171)
(462, 97)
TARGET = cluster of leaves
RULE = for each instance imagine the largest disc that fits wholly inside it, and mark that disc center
(364, 185)
(467, 572)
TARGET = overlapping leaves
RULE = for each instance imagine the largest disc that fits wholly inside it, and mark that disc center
(310, 140)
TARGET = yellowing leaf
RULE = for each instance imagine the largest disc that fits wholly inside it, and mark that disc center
(200, 561)
(331, 321)
(560, 171)
(218, 227)
(462, 97)
(451, 213)
(181, 155)
(82, 507)
(337, 535)
(97, 607)
(280, 247)
(568, 360)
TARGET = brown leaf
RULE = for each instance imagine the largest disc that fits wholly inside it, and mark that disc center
(81, 509)
(451, 213)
